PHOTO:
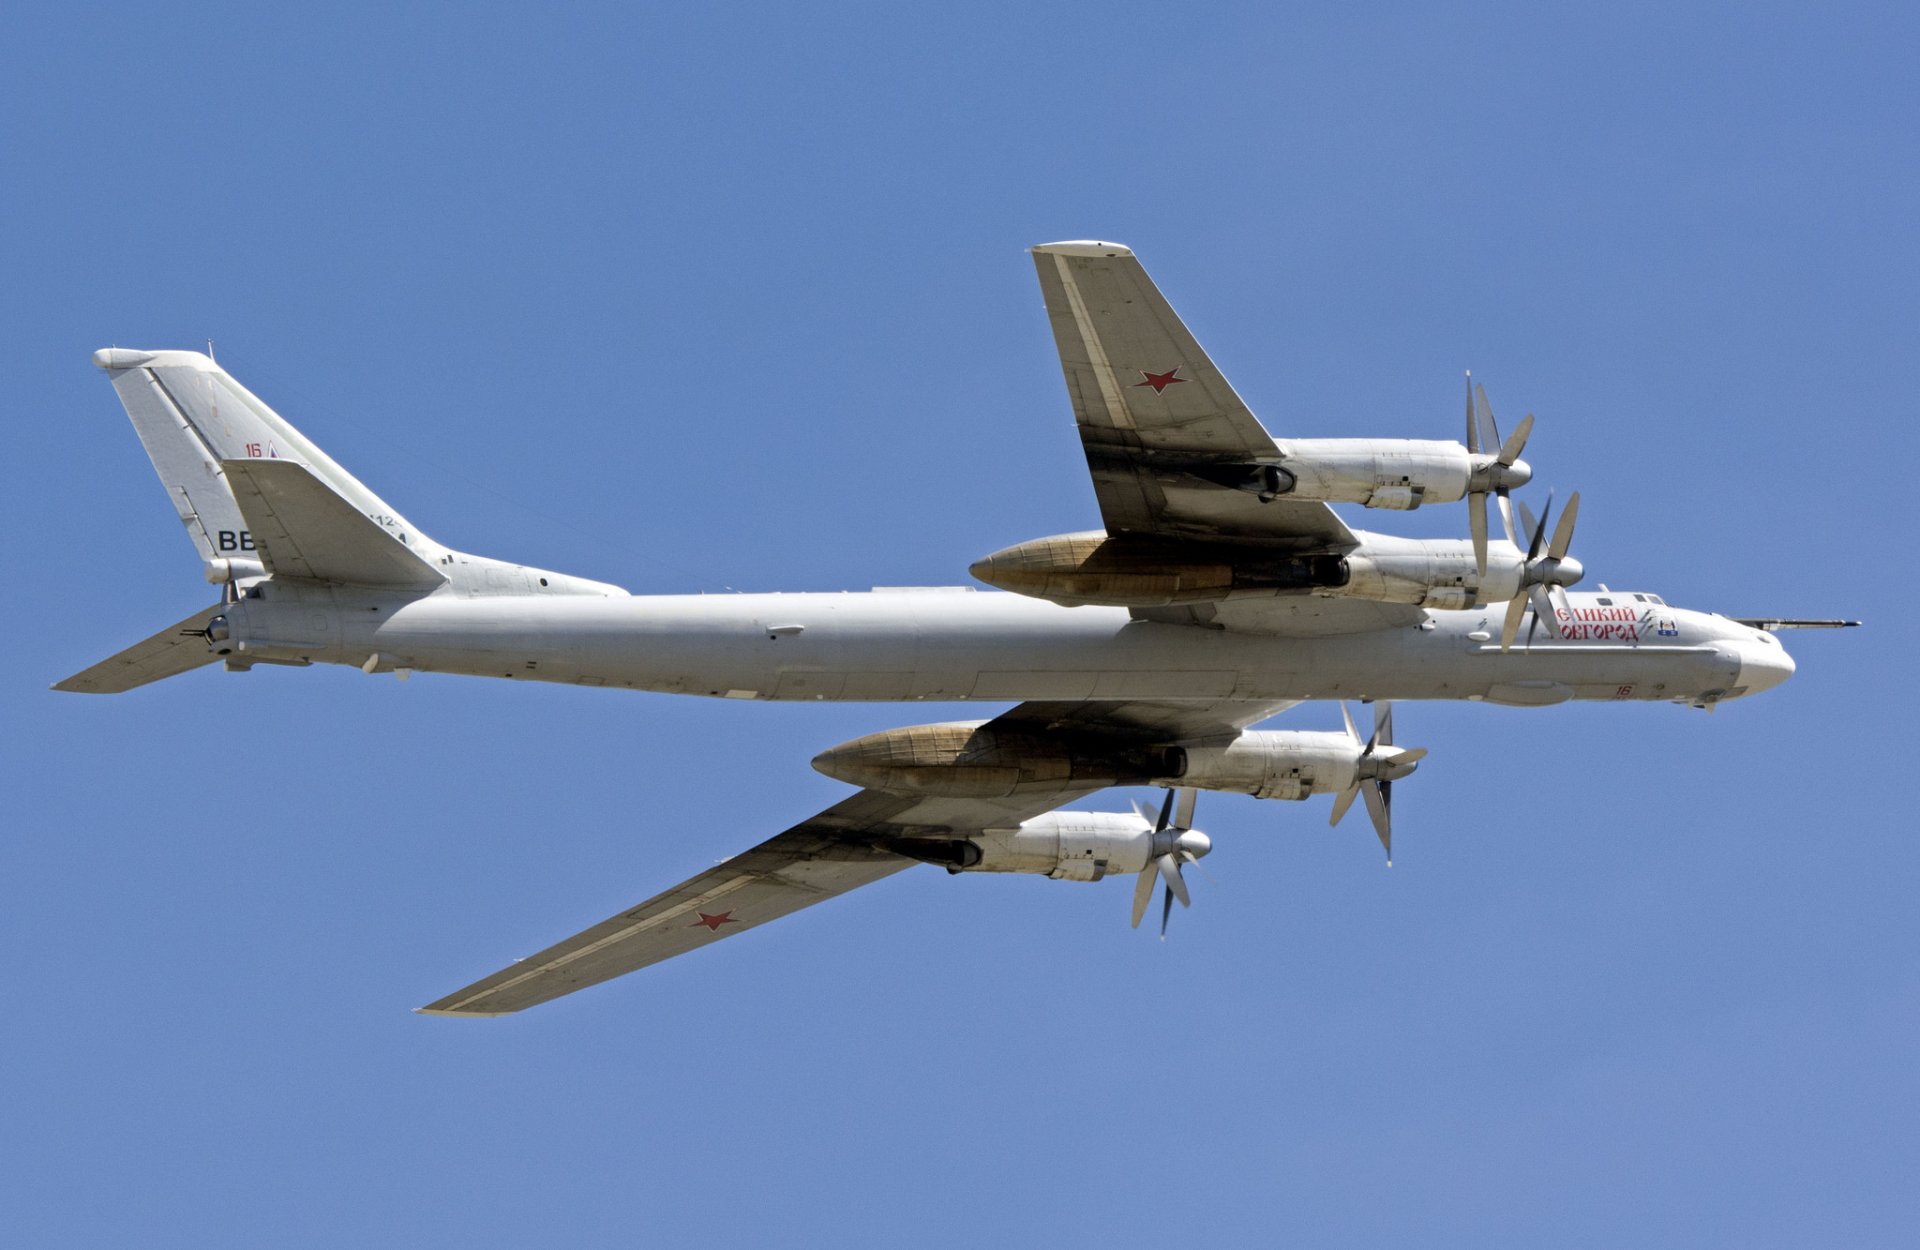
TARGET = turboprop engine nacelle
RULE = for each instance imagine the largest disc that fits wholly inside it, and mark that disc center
(1275, 764)
(1067, 846)
(1429, 573)
(1378, 472)
(965, 759)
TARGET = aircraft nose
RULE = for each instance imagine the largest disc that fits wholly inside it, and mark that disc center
(1764, 663)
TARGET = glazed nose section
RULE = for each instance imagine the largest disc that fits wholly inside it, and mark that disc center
(1764, 664)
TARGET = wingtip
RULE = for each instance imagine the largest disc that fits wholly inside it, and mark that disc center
(1081, 247)
(452, 1013)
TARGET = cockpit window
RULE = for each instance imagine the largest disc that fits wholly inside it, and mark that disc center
(1606, 603)
(1657, 599)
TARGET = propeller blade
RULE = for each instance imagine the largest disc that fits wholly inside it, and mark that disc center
(1170, 873)
(1383, 723)
(1342, 802)
(1183, 814)
(1473, 428)
(1477, 520)
(1506, 515)
(1563, 532)
(1562, 609)
(1379, 796)
(1489, 430)
(1142, 894)
(1510, 450)
(1351, 731)
(1542, 612)
(1166, 909)
(1166, 811)
(1511, 628)
(1538, 527)
(1410, 755)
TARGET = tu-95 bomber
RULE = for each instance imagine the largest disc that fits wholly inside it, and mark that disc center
(1220, 590)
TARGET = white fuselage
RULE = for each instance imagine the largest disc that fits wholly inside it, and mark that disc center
(958, 644)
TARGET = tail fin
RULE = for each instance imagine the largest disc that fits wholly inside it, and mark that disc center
(179, 648)
(191, 415)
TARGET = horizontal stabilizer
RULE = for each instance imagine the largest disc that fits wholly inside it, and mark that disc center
(304, 528)
(174, 650)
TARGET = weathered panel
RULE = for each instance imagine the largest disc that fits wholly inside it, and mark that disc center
(1035, 685)
(1200, 685)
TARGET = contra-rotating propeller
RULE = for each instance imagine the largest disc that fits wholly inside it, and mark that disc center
(1543, 574)
(1497, 466)
(1380, 765)
(1175, 843)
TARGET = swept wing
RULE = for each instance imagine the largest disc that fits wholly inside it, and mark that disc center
(847, 846)
(1171, 446)
(841, 849)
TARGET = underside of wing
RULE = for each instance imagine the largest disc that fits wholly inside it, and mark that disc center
(1164, 721)
(842, 848)
(1172, 448)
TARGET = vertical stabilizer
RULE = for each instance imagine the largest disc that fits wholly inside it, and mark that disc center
(191, 415)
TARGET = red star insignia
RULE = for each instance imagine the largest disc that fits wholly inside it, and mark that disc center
(714, 922)
(1161, 381)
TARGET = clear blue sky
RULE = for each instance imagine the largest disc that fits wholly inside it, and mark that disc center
(698, 297)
